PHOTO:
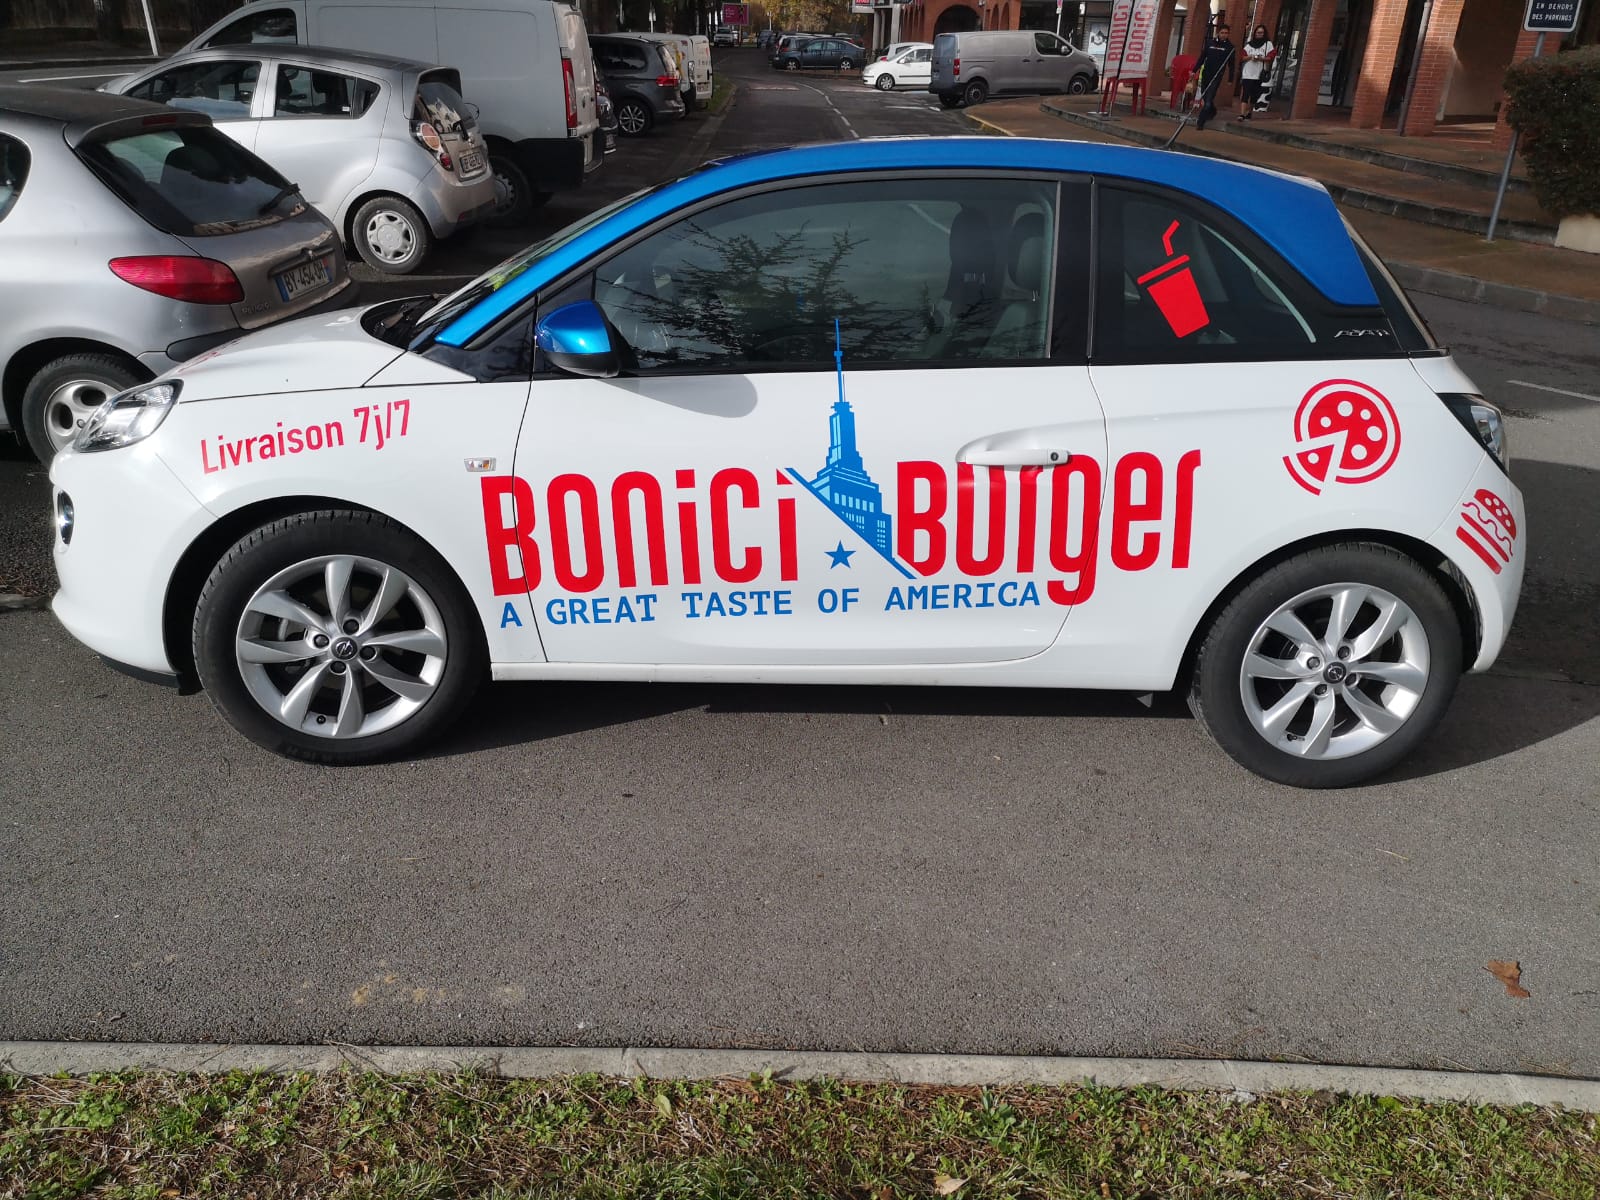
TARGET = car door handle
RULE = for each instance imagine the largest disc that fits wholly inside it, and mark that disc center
(1021, 449)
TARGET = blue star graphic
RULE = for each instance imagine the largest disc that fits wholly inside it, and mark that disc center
(840, 556)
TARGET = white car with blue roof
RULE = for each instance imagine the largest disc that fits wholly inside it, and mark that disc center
(968, 411)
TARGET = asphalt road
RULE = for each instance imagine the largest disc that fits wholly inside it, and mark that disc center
(864, 869)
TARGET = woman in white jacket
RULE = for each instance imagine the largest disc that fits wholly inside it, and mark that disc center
(1258, 52)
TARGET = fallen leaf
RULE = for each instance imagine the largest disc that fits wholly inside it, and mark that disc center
(1510, 974)
(944, 1185)
(664, 1104)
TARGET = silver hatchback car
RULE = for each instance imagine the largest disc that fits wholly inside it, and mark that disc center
(385, 148)
(133, 237)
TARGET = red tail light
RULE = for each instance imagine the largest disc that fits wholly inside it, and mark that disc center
(667, 80)
(957, 68)
(425, 133)
(180, 277)
(572, 96)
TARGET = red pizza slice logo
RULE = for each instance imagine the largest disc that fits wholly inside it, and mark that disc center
(1488, 528)
(1347, 433)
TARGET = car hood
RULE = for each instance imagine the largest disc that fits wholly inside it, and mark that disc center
(312, 354)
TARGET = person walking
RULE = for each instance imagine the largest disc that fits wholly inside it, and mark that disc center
(1218, 56)
(1258, 52)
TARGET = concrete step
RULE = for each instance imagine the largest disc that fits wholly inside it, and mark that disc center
(1355, 184)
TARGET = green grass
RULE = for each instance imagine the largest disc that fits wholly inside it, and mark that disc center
(722, 90)
(359, 1135)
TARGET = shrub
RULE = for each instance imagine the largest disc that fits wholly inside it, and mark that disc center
(1555, 107)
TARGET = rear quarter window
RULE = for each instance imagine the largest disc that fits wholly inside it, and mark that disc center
(190, 182)
(14, 163)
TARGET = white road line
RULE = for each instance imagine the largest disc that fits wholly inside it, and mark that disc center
(59, 78)
(1539, 387)
(844, 120)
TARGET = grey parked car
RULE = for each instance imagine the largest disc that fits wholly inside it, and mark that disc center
(642, 77)
(133, 237)
(385, 148)
(968, 68)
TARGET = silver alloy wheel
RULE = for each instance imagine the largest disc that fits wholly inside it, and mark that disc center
(631, 118)
(341, 646)
(1335, 671)
(70, 405)
(390, 236)
(792, 65)
(884, 82)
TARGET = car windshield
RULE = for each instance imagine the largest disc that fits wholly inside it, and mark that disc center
(492, 280)
(191, 182)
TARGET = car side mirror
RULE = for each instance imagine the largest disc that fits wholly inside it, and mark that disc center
(578, 339)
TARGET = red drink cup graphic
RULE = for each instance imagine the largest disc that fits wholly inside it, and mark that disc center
(1172, 287)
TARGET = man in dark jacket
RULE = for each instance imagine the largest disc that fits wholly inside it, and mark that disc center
(1218, 56)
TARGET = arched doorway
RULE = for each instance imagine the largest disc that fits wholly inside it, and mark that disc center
(958, 18)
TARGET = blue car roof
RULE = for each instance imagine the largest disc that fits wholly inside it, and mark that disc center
(1295, 216)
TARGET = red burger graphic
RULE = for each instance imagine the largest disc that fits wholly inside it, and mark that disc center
(1347, 433)
(1488, 529)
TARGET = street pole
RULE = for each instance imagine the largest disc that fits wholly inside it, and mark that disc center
(1511, 153)
(1058, 17)
(150, 28)
(1416, 64)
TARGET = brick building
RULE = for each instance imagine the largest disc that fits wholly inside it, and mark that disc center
(1338, 59)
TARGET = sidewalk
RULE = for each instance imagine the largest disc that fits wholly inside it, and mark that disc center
(1413, 220)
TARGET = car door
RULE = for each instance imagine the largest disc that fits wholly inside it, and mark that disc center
(222, 88)
(917, 66)
(1052, 66)
(323, 130)
(855, 428)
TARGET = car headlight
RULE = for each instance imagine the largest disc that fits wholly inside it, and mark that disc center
(128, 417)
(1483, 421)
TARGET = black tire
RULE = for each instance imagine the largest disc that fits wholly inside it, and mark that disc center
(390, 235)
(1216, 689)
(1078, 85)
(845, 64)
(884, 82)
(274, 548)
(61, 394)
(521, 199)
(634, 118)
(949, 101)
(792, 64)
(975, 92)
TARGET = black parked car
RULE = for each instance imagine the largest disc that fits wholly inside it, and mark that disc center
(820, 52)
(642, 79)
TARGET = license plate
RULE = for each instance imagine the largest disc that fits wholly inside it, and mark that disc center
(470, 161)
(307, 277)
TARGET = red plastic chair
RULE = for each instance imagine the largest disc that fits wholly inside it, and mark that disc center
(1181, 67)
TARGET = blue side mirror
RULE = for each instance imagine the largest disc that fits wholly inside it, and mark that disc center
(577, 339)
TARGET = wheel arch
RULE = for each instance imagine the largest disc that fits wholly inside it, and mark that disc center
(1429, 558)
(30, 359)
(202, 555)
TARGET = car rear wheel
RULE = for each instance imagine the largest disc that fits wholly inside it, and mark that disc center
(337, 637)
(845, 64)
(518, 197)
(1329, 668)
(950, 101)
(976, 93)
(792, 64)
(1078, 86)
(634, 117)
(391, 236)
(61, 396)
(884, 82)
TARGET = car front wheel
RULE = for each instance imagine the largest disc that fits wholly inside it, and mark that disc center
(63, 394)
(391, 235)
(884, 82)
(1329, 668)
(1078, 86)
(337, 637)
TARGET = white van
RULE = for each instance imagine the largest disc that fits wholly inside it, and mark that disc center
(693, 52)
(525, 63)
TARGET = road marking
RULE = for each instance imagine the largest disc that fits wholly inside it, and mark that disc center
(1539, 387)
(843, 120)
(59, 78)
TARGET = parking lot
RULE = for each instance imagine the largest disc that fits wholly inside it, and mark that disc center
(873, 869)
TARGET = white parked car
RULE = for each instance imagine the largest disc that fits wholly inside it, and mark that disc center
(1089, 417)
(912, 67)
(386, 149)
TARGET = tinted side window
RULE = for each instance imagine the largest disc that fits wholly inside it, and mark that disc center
(916, 270)
(1175, 285)
(304, 92)
(273, 25)
(1048, 43)
(14, 161)
(221, 90)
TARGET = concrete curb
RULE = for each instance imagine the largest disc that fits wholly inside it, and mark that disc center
(964, 1070)
(1433, 282)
